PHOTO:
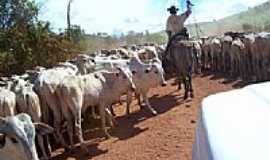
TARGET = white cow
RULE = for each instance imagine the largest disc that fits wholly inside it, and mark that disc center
(46, 85)
(28, 102)
(146, 76)
(100, 89)
(17, 139)
(7, 103)
(84, 63)
(148, 53)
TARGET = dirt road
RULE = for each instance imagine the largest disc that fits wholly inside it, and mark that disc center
(140, 136)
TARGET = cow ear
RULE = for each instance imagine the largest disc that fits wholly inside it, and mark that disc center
(119, 69)
(43, 129)
(96, 76)
(92, 60)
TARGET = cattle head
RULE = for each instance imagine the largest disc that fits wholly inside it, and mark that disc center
(120, 78)
(85, 64)
(18, 84)
(17, 137)
(153, 74)
(126, 74)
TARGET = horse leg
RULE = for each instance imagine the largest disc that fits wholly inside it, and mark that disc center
(186, 88)
(191, 86)
(179, 84)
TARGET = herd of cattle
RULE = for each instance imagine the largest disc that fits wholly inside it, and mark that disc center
(61, 95)
(244, 55)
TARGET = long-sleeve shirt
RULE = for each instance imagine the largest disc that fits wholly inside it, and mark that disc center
(175, 23)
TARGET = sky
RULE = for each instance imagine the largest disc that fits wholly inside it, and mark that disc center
(120, 16)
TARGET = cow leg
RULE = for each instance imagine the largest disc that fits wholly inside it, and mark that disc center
(129, 100)
(93, 111)
(45, 118)
(216, 63)
(111, 110)
(102, 113)
(153, 111)
(42, 148)
(78, 129)
(232, 69)
(69, 117)
(75, 106)
(35, 117)
(78, 125)
(110, 119)
(138, 97)
(52, 103)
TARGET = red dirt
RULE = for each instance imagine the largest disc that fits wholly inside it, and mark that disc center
(140, 136)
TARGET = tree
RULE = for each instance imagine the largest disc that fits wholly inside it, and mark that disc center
(26, 42)
(76, 33)
(68, 19)
(17, 12)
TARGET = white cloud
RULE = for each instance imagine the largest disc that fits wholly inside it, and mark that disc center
(140, 15)
(102, 15)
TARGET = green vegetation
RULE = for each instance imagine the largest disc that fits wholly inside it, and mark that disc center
(26, 42)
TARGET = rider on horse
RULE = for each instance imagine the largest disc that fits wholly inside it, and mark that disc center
(178, 57)
(175, 23)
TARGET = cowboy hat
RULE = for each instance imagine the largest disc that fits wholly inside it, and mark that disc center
(172, 9)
